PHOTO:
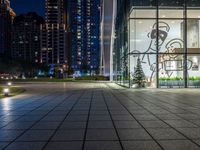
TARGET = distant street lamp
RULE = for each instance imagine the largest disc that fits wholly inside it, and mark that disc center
(9, 83)
(64, 66)
(6, 91)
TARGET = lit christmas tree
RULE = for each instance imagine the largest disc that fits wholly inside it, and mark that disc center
(139, 76)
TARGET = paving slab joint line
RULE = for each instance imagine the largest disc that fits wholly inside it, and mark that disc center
(135, 118)
(28, 111)
(88, 117)
(163, 120)
(35, 121)
(113, 122)
(159, 119)
(78, 99)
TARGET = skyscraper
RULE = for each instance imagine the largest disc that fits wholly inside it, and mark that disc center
(53, 33)
(107, 36)
(6, 18)
(84, 25)
(26, 37)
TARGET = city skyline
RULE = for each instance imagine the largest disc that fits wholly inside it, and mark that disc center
(70, 35)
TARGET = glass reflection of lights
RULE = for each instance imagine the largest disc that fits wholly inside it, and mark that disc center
(6, 104)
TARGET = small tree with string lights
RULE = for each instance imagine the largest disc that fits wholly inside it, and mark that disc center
(139, 76)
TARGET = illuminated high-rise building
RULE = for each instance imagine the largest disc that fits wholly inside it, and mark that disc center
(107, 36)
(6, 18)
(26, 37)
(53, 33)
(84, 23)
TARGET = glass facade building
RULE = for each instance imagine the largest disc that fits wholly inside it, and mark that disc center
(164, 36)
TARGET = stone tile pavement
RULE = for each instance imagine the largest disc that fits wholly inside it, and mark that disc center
(100, 116)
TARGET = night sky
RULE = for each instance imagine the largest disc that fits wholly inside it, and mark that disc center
(23, 6)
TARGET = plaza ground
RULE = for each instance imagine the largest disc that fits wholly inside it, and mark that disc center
(100, 116)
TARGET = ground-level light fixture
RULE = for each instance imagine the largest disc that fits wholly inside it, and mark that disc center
(9, 83)
(6, 91)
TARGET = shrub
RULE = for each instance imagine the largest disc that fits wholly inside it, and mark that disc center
(99, 78)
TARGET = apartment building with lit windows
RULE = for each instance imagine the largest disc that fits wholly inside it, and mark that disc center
(6, 17)
(26, 37)
(53, 33)
(84, 24)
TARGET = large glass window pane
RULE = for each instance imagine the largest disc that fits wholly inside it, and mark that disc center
(143, 13)
(142, 35)
(148, 66)
(193, 70)
(143, 48)
(171, 71)
(171, 13)
(123, 67)
(171, 35)
(193, 13)
(193, 36)
(125, 71)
